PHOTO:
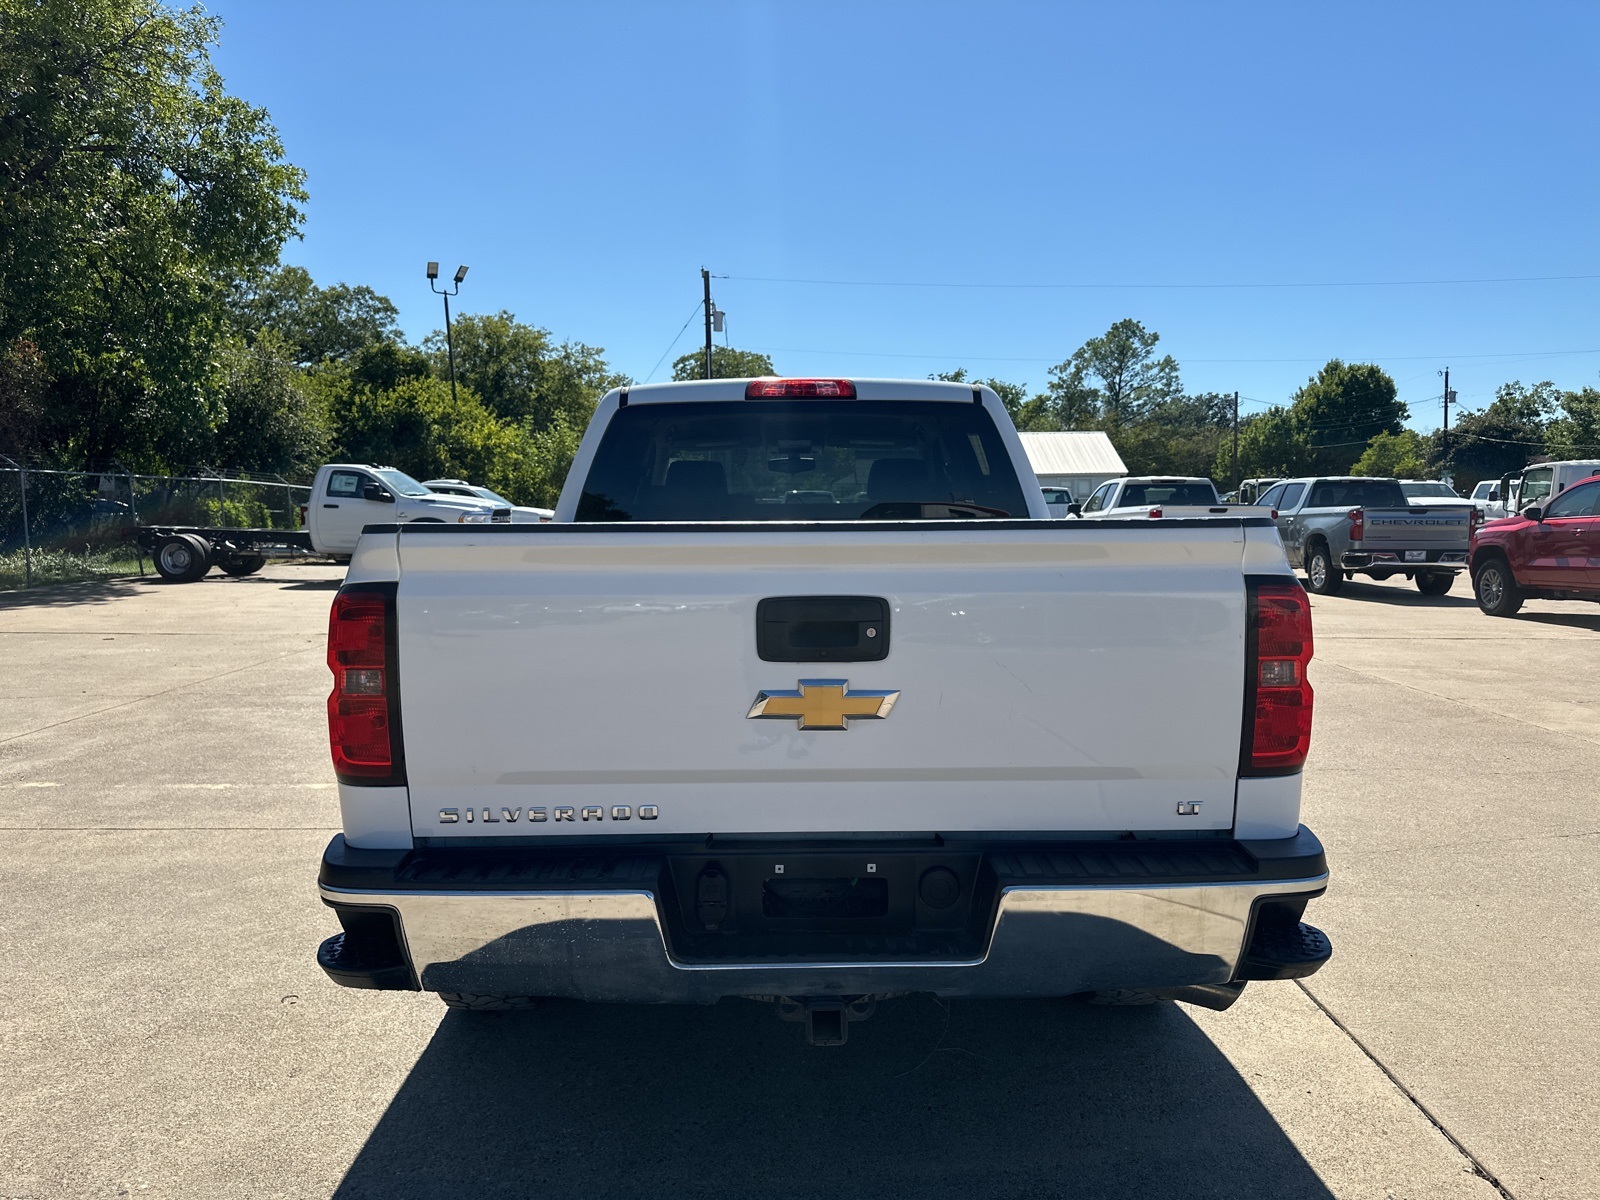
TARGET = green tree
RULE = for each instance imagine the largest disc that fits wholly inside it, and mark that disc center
(133, 191)
(550, 454)
(1114, 379)
(1270, 444)
(1576, 433)
(521, 373)
(420, 428)
(315, 324)
(1341, 409)
(1182, 435)
(726, 363)
(386, 365)
(1403, 455)
(271, 421)
(24, 386)
(1501, 438)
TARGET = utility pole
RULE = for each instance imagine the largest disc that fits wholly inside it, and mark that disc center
(705, 280)
(1447, 417)
(1236, 478)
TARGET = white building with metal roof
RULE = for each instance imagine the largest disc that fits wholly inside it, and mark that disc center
(1080, 460)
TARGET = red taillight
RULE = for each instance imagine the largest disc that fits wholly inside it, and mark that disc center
(778, 389)
(1155, 513)
(1280, 731)
(1474, 519)
(358, 707)
(303, 515)
(1358, 524)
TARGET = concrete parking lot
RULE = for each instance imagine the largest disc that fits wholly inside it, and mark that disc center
(165, 793)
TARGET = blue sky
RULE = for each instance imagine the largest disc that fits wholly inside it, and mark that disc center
(587, 159)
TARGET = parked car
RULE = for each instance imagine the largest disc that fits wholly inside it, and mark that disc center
(1058, 502)
(1159, 496)
(1545, 552)
(1486, 498)
(1433, 493)
(818, 760)
(1429, 489)
(520, 513)
(1339, 526)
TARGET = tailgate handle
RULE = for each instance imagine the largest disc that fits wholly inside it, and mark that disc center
(822, 629)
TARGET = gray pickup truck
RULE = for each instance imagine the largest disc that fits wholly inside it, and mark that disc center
(1334, 528)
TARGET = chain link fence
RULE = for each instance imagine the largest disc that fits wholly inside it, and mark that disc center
(71, 524)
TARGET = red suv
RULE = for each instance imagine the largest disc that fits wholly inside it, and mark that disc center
(1550, 553)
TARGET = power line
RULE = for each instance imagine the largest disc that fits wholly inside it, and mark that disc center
(674, 342)
(1322, 358)
(1076, 286)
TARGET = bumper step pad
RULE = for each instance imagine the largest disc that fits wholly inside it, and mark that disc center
(1284, 951)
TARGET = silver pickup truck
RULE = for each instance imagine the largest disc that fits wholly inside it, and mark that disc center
(1334, 528)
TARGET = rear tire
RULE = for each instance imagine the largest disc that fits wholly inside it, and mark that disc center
(243, 564)
(1322, 577)
(1435, 583)
(1496, 588)
(477, 1002)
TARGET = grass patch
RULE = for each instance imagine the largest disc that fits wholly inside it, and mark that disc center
(64, 566)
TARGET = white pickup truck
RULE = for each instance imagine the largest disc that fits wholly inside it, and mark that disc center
(827, 710)
(1161, 496)
(345, 497)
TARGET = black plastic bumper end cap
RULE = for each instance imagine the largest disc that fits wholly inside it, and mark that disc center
(1286, 953)
(348, 967)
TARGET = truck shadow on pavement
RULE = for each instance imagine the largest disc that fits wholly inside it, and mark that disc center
(1570, 620)
(927, 1099)
(1408, 596)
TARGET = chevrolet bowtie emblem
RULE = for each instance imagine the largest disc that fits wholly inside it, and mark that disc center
(823, 704)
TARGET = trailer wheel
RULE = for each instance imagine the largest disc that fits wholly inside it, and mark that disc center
(182, 558)
(240, 565)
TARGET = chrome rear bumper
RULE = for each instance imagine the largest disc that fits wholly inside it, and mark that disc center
(610, 945)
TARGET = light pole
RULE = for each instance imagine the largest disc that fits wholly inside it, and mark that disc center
(449, 343)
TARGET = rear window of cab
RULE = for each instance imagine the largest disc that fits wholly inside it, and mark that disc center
(801, 460)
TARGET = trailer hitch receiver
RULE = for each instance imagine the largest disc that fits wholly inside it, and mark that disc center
(827, 1018)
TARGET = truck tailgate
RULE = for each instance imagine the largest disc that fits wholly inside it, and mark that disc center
(599, 679)
(1420, 527)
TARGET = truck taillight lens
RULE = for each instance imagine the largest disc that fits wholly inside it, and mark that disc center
(1358, 524)
(1277, 694)
(777, 389)
(362, 730)
(1155, 513)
